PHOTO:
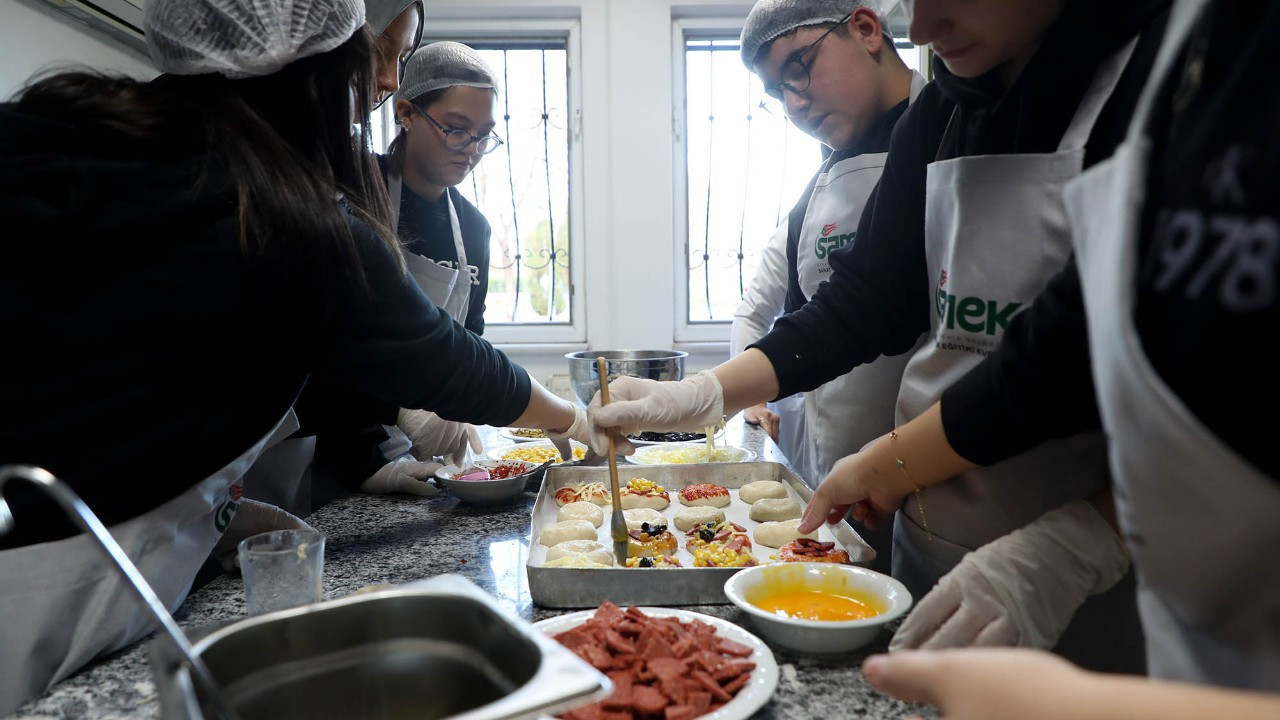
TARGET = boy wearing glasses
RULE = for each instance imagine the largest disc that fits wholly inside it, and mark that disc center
(833, 67)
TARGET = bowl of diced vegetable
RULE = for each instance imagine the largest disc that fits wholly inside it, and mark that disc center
(485, 482)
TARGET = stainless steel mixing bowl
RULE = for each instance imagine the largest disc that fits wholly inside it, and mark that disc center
(652, 364)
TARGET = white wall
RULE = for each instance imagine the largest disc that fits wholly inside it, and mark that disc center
(36, 37)
(629, 225)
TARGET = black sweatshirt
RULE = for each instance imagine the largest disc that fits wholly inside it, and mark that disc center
(878, 299)
(146, 351)
(1207, 299)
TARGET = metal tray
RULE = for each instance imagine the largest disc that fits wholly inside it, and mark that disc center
(557, 587)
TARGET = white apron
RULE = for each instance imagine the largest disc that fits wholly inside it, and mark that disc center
(792, 435)
(63, 604)
(996, 231)
(1200, 521)
(448, 288)
(846, 413)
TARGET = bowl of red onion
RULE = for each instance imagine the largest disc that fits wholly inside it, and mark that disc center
(486, 482)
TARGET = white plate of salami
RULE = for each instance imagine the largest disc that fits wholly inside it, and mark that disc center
(746, 672)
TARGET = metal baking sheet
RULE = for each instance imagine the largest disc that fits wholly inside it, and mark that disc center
(584, 588)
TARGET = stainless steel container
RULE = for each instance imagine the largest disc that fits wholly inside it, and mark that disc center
(563, 587)
(651, 364)
(439, 648)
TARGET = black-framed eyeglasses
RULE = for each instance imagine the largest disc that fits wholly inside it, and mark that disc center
(795, 71)
(457, 139)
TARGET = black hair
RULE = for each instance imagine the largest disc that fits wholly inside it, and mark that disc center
(285, 141)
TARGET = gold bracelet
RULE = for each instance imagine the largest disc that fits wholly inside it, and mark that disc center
(893, 437)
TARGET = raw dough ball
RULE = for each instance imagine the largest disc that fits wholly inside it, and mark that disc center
(760, 490)
(776, 534)
(582, 510)
(686, 518)
(589, 549)
(576, 561)
(567, 530)
(637, 516)
(773, 509)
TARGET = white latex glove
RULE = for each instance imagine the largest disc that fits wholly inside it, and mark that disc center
(635, 405)
(1021, 589)
(252, 518)
(403, 475)
(580, 430)
(432, 435)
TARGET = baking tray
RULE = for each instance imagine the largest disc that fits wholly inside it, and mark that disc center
(559, 587)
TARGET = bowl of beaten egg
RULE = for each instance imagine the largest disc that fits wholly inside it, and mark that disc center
(818, 608)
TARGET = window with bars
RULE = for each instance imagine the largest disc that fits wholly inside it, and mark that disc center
(523, 188)
(745, 166)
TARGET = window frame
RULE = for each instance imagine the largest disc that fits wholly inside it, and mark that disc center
(684, 330)
(567, 30)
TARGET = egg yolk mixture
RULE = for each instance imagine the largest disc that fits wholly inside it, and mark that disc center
(818, 605)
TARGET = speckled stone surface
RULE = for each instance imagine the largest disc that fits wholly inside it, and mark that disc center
(396, 539)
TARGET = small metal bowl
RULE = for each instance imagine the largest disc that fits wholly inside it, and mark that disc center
(651, 364)
(489, 492)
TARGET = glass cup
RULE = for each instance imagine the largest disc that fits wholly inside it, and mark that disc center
(282, 569)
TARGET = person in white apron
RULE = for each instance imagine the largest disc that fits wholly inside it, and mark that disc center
(446, 252)
(179, 296)
(863, 310)
(1196, 485)
(761, 304)
(857, 86)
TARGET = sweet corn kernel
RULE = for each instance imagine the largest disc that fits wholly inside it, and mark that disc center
(640, 485)
(714, 556)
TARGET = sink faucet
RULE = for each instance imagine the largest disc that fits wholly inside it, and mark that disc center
(71, 503)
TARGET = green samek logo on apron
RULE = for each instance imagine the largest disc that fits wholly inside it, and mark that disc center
(970, 313)
(828, 242)
(227, 510)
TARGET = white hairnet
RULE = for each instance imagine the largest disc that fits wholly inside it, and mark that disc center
(770, 19)
(381, 13)
(441, 65)
(245, 38)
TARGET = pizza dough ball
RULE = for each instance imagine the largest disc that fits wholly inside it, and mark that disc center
(589, 549)
(686, 518)
(705, 494)
(577, 561)
(581, 510)
(567, 530)
(638, 516)
(774, 509)
(762, 490)
(776, 534)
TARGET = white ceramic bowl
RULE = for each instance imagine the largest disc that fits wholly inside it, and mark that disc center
(816, 637)
(485, 492)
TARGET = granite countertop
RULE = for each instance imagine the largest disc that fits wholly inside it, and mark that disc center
(376, 539)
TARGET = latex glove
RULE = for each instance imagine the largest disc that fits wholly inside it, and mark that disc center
(432, 435)
(580, 430)
(1021, 589)
(764, 417)
(988, 684)
(636, 405)
(403, 475)
(252, 518)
